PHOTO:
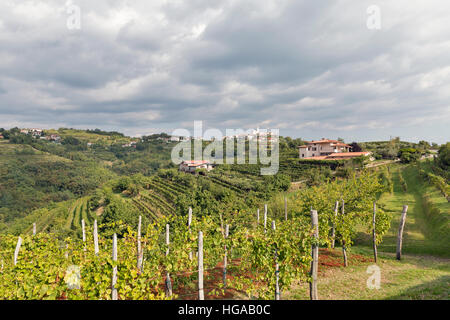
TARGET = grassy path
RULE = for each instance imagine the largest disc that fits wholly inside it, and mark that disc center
(423, 272)
(421, 236)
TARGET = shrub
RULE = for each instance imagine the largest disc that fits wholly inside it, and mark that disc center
(122, 185)
(408, 155)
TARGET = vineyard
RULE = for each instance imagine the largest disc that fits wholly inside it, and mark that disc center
(294, 168)
(190, 256)
(50, 259)
(80, 212)
(65, 216)
(227, 188)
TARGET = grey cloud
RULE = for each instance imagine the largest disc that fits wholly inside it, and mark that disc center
(157, 64)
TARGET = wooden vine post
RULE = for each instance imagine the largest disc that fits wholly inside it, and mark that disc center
(201, 293)
(140, 253)
(374, 233)
(34, 229)
(285, 209)
(257, 216)
(16, 252)
(189, 228)
(225, 258)
(315, 256)
(344, 249)
(66, 254)
(83, 230)
(168, 281)
(277, 269)
(114, 295)
(84, 233)
(333, 230)
(96, 250)
(222, 229)
(400, 232)
(189, 218)
(265, 218)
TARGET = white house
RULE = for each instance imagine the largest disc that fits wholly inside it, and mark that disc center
(54, 137)
(253, 135)
(132, 144)
(323, 147)
(192, 166)
(34, 132)
(326, 149)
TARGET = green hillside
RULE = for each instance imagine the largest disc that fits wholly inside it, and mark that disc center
(61, 183)
(32, 179)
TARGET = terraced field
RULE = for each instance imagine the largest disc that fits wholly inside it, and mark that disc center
(297, 171)
(81, 211)
(157, 199)
(147, 210)
(165, 189)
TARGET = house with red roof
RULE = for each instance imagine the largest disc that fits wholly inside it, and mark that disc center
(193, 165)
(327, 149)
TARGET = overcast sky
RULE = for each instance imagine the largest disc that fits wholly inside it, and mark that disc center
(312, 69)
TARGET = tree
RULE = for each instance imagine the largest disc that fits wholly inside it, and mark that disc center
(317, 176)
(408, 155)
(133, 190)
(423, 145)
(444, 156)
(282, 182)
(358, 162)
(344, 172)
(71, 141)
(119, 210)
(392, 149)
(122, 185)
(355, 147)
(14, 131)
